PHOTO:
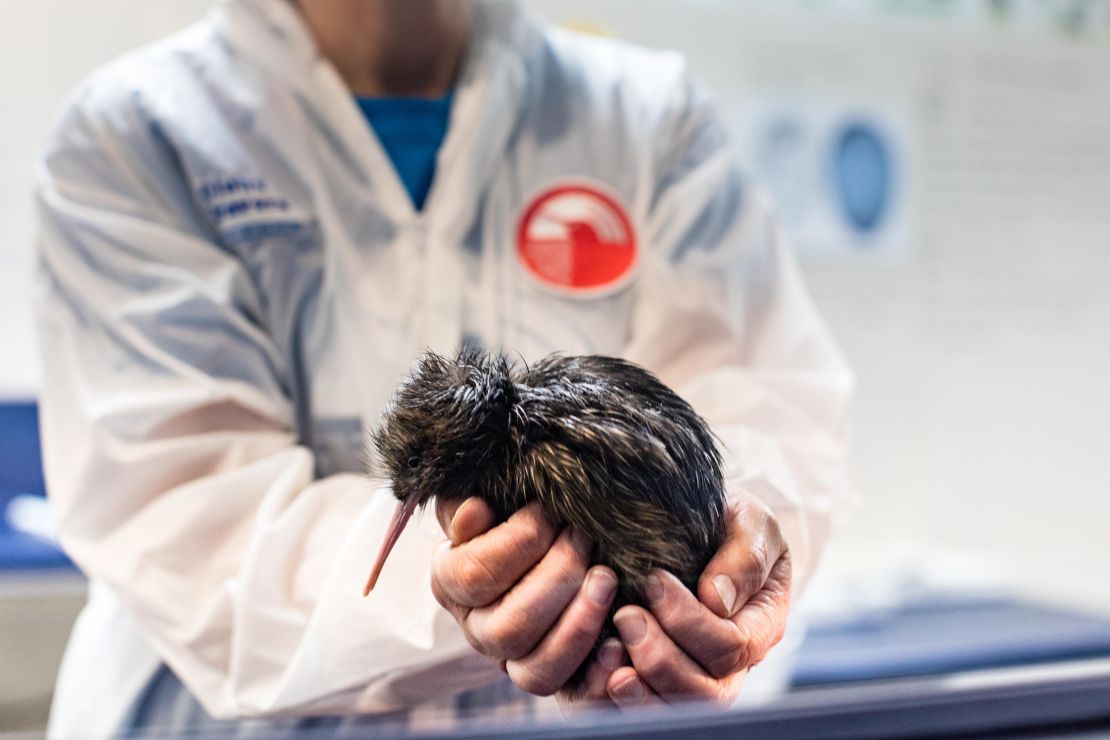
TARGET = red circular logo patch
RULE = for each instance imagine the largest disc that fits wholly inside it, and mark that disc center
(576, 239)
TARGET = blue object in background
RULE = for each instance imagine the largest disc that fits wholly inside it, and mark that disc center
(863, 175)
(411, 131)
(944, 637)
(20, 456)
(21, 474)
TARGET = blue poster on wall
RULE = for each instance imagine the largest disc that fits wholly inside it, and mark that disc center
(841, 175)
(861, 175)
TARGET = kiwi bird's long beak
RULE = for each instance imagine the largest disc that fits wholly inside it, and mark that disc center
(400, 519)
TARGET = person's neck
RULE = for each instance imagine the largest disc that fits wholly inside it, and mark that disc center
(392, 47)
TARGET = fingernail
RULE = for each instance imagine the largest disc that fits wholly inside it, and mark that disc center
(727, 591)
(654, 589)
(611, 654)
(600, 586)
(631, 690)
(632, 627)
(581, 542)
(455, 517)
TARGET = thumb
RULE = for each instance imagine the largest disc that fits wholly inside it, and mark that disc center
(753, 546)
(463, 519)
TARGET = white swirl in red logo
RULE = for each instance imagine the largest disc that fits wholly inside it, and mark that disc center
(575, 239)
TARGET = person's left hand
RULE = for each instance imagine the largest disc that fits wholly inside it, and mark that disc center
(701, 648)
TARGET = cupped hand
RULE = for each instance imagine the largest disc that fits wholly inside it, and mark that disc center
(525, 597)
(685, 647)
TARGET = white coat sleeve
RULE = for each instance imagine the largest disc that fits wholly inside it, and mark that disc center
(725, 319)
(173, 466)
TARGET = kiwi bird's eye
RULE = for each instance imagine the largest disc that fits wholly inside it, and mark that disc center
(413, 462)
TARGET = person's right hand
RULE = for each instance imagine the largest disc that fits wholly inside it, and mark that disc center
(525, 597)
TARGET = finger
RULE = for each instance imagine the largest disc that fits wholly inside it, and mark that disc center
(717, 645)
(515, 623)
(591, 694)
(753, 544)
(457, 611)
(762, 621)
(464, 520)
(663, 666)
(546, 669)
(628, 691)
(479, 571)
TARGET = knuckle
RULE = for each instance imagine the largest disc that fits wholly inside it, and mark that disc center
(677, 619)
(747, 655)
(724, 694)
(784, 569)
(727, 663)
(529, 533)
(568, 573)
(504, 635)
(464, 619)
(473, 576)
(736, 658)
(438, 593)
(528, 679)
(473, 640)
(681, 624)
(758, 509)
(752, 572)
(751, 583)
(582, 633)
(758, 653)
(759, 560)
(653, 663)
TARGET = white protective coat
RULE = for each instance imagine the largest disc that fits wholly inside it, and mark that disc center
(233, 280)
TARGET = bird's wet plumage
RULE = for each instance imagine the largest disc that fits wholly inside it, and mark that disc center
(601, 443)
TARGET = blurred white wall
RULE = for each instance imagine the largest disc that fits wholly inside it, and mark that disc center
(46, 47)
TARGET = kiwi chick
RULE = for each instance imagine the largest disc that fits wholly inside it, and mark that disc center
(601, 443)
